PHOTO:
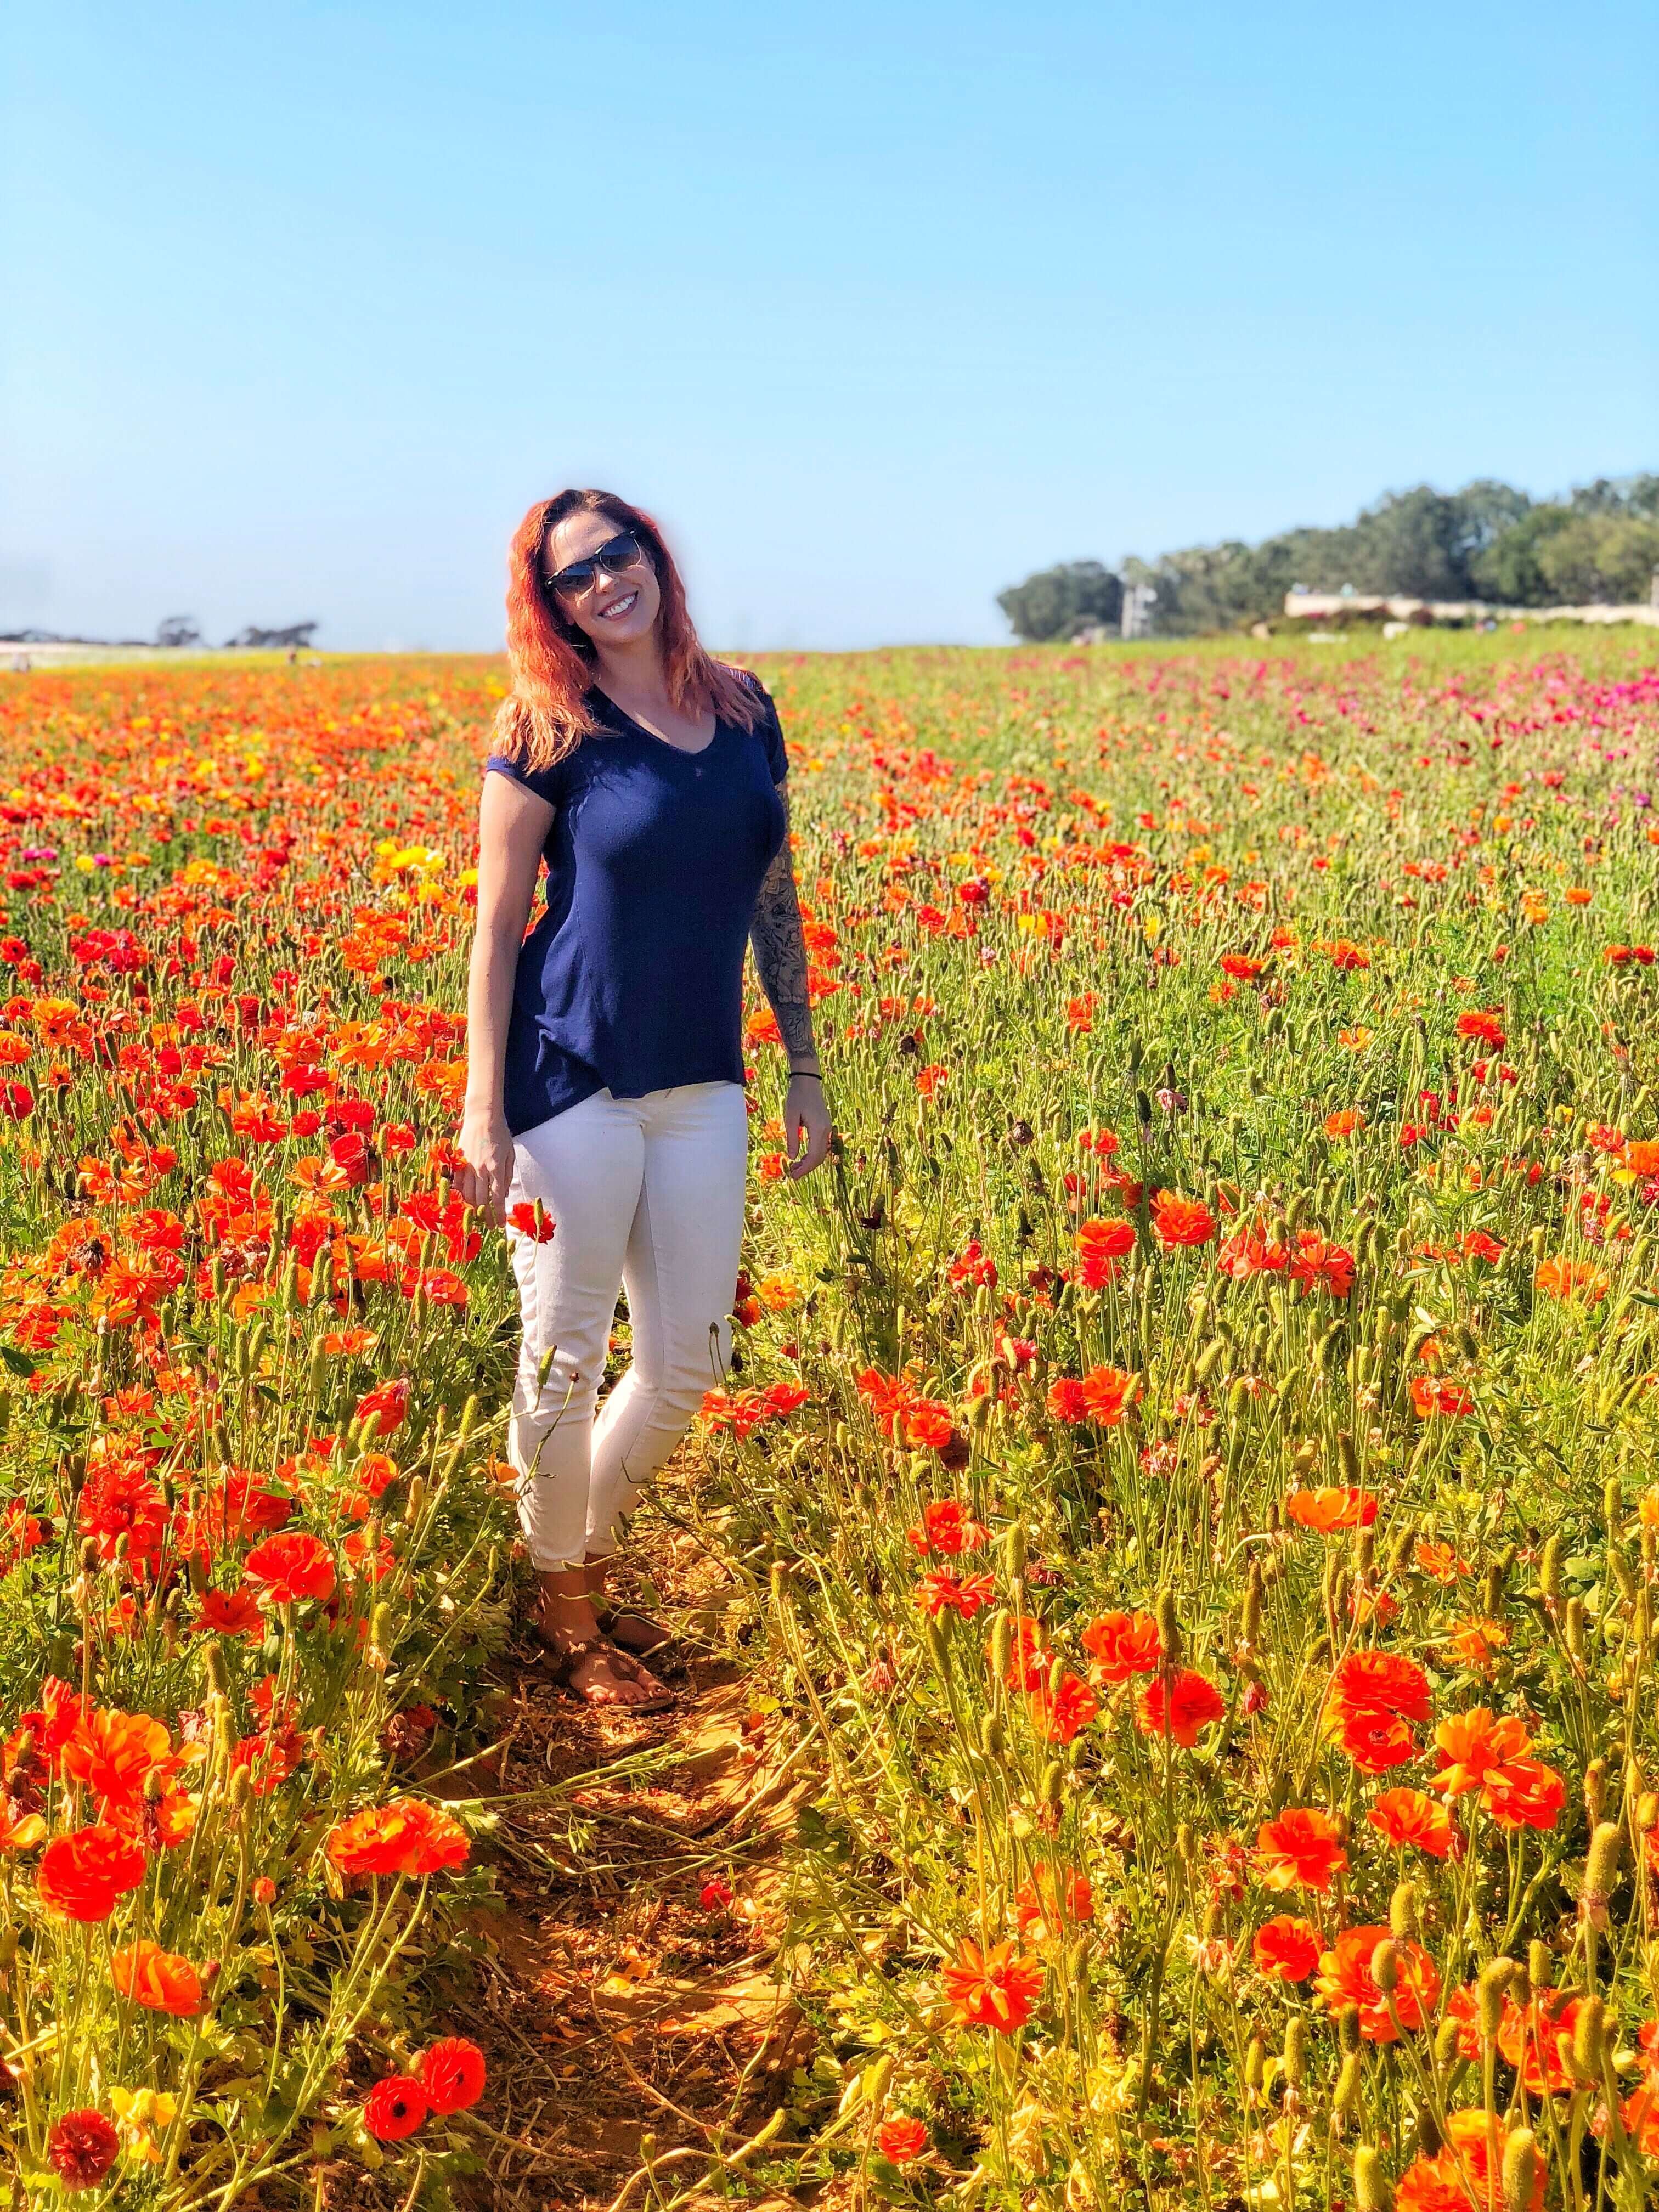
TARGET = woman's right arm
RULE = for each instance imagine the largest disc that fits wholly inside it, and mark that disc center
(513, 827)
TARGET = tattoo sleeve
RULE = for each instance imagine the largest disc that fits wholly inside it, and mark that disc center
(781, 946)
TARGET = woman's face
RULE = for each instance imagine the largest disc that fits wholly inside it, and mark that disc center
(613, 610)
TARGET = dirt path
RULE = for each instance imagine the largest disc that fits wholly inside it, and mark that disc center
(621, 1993)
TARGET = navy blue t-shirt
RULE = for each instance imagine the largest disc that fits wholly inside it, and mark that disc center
(632, 979)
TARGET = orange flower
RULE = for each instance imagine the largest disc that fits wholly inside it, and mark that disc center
(114, 1754)
(1178, 1221)
(404, 1837)
(1181, 1709)
(1100, 1246)
(1331, 1508)
(291, 1567)
(1121, 1645)
(1642, 1158)
(1345, 1979)
(1108, 1394)
(1287, 1949)
(1301, 1850)
(83, 1876)
(1052, 1899)
(1440, 1561)
(157, 1979)
(1566, 1278)
(995, 1989)
(1460, 2176)
(1348, 1121)
(1058, 1715)
(1411, 1817)
(1471, 1744)
(1524, 1793)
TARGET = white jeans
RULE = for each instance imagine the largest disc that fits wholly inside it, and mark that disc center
(646, 1193)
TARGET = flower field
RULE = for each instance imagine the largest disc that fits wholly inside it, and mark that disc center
(1191, 1463)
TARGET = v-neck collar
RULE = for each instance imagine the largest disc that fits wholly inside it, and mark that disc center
(667, 744)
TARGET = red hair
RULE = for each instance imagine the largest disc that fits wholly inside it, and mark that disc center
(545, 717)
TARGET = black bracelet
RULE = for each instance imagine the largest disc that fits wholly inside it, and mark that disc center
(813, 1072)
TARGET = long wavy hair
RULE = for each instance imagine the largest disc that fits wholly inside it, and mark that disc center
(543, 716)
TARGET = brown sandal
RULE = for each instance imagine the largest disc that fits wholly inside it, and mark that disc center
(644, 1636)
(562, 1660)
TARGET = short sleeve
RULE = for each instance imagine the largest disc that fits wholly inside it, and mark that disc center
(546, 783)
(769, 730)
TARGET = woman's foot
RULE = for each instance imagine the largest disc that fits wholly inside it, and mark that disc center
(634, 1632)
(589, 1663)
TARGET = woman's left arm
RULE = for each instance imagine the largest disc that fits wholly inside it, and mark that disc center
(780, 961)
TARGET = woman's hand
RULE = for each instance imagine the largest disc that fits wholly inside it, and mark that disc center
(805, 1125)
(486, 1145)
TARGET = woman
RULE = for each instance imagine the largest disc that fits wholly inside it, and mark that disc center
(605, 1123)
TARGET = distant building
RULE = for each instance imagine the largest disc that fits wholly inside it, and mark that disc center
(1137, 618)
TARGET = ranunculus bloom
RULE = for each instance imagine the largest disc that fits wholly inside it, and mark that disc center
(452, 2073)
(1301, 1850)
(114, 1754)
(404, 1837)
(1345, 1979)
(394, 2108)
(1459, 2177)
(1324, 1510)
(291, 1567)
(1410, 1818)
(1287, 1948)
(84, 1875)
(995, 1989)
(1121, 1644)
(1051, 1898)
(81, 2148)
(902, 2140)
(1524, 1793)
(1471, 1744)
(1058, 1715)
(157, 1979)
(1190, 1703)
(1100, 1246)
(1178, 1221)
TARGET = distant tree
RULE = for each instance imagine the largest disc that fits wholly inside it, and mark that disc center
(297, 634)
(1060, 602)
(176, 631)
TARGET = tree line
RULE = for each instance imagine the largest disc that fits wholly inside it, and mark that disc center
(1597, 545)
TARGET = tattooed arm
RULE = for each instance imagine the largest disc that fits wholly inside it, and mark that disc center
(780, 961)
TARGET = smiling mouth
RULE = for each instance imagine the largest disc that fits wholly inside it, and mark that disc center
(618, 607)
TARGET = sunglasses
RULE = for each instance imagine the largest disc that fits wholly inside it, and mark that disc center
(616, 555)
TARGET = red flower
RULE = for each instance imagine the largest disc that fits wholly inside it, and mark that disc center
(1287, 1948)
(1524, 1794)
(452, 2073)
(1325, 1511)
(230, 1612)
(1345, 1979)
(941, 1591)
(293, 1567)
(993, 1989)
(83, 2147)
(902, 2140)
(1052, 1898)
(1178, 1221)
(390, 1401)
(1100, 1246)
(83, 1876)
(1189, 1704)
(404, 1837)
(1411, 1817)
(534, 1222)
(1058, 1715)
(1121, 1645)
(157, 1979)
(946, 1528)
(394, 2108)
(1301, 1850)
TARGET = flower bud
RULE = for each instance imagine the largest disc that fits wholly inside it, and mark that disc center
(1002, 1645)
(1520, 2170)
(1256, 2056)
(1575, 1627)
(1588, 2041)
(1371, 2192)
(1385, 1966)
(1490, 1989)
(1348, 2027)
(1013, 1552)
(1596, 1788)
(1539, 1965)
(1295, 2061)
(1345, 2095)
(1403, 1916)
(1601, 1874)
(1054, 1781)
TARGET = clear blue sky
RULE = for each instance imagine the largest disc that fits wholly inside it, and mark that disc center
(877, 307)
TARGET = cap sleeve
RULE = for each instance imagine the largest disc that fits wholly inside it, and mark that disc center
(546, 783)
(769, 729)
